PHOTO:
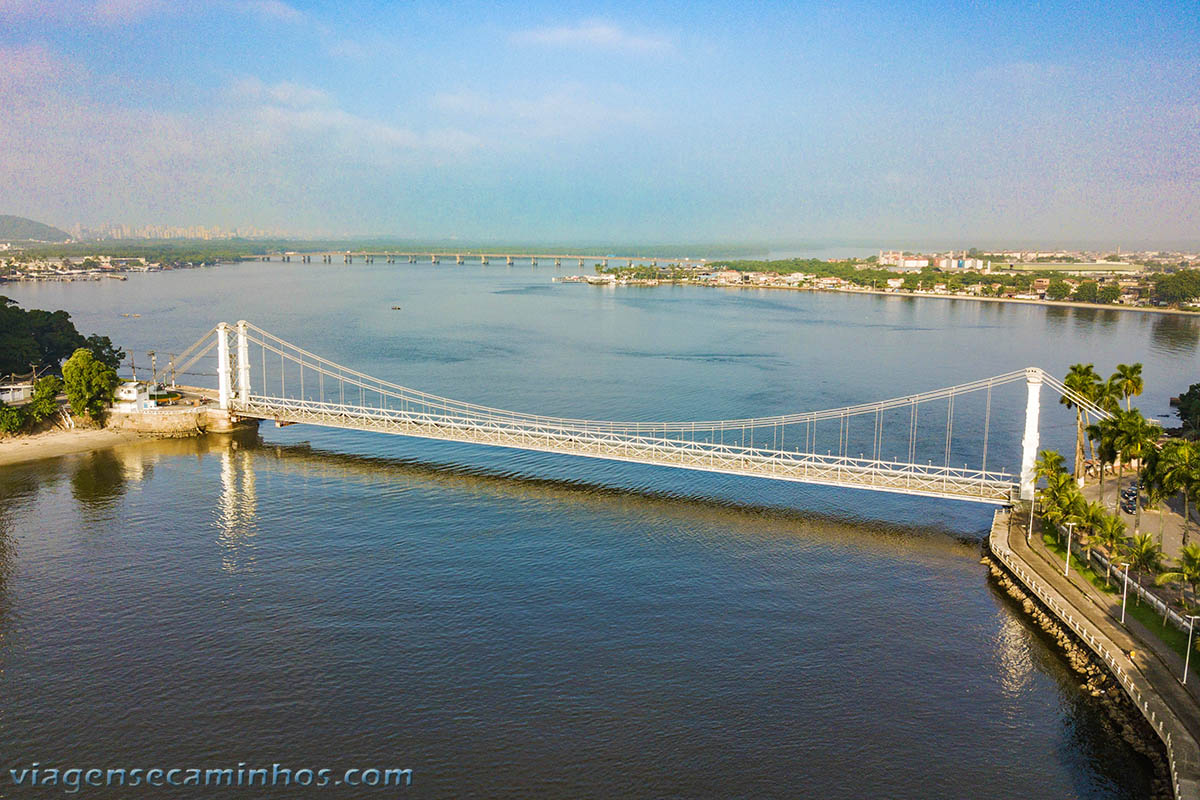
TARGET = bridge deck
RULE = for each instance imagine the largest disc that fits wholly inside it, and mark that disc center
(996, 488)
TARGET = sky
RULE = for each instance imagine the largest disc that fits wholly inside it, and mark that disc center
(690, 122)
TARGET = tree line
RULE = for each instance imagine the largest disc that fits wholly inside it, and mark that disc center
(36, 341)
(1121, 437)
(1173, 288)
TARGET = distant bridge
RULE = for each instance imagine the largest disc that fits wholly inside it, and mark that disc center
(264, 377)
(462, 257)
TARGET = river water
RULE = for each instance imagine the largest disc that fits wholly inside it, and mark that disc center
(511, 624)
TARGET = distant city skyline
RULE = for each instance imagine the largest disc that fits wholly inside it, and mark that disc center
(774, 123)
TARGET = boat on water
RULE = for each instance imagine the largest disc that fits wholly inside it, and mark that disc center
(395, 308)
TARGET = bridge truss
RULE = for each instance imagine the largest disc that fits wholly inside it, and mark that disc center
(265, 377)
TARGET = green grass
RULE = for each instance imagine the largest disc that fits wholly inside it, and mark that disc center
(1169, 634)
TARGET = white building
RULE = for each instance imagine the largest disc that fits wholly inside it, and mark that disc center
(16, 392)
(133, 396)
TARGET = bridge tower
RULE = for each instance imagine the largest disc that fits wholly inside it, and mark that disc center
(508, 260)
(581, 263)
(223, 372)
(483, 260)
(243, 362)
(533, 261)
(1029, 443)
(458, 259)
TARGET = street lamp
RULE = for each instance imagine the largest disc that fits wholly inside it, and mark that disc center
(1187, 659)
(1124, 591)
(1067, 566)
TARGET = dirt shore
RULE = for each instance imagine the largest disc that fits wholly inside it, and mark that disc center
(18, 449)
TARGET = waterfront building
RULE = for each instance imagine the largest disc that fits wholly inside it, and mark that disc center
(19, 391)
(133, 396)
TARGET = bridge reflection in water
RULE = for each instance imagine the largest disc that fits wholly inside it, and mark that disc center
(237, 510)
(267, 378)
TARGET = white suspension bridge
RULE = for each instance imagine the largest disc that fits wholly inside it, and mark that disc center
(264, 377)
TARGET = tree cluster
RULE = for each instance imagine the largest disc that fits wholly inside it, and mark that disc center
(866, 274)
(1189, 408)
(1124, 438)
(44, 404)
(90, 384)
(1178, 287)
(42, 339)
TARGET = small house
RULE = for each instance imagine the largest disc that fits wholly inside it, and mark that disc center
(133, 396)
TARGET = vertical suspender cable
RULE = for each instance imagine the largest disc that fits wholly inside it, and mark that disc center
(987, 424)
(912, 434)
(878, 432)
(949, 425)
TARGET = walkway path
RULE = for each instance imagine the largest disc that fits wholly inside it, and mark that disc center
(1162, 665)
(1132, 649)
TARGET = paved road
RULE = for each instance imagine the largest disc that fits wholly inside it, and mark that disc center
(1162, 666)
(1166, 525)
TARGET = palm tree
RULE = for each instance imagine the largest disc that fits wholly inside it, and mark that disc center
(1128, 378)
(1060, 490)
(1103, 450)
(1111, 534)
(1144, 554)
(1155, 485)
(1049, 462)
(1108, 395)
(1092, 518)
(1135, 438)
(1179, 470)
(1187, 569)
(1083, 380)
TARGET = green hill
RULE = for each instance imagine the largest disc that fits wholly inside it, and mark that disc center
(21, 229)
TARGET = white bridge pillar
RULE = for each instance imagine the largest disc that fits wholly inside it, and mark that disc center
(243, 356)
(1029, 443)
(223, 367)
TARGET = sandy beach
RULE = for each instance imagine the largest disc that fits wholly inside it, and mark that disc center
(18, 449)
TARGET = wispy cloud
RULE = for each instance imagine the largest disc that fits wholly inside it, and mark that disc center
(564, 111)
(120, 12)
(74, 13)
(257, 142)
(272, 10)
(284, 93)
(595, 34)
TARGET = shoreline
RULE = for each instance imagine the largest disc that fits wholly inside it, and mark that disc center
(921, 295)
(58, 442)
(1021, 301)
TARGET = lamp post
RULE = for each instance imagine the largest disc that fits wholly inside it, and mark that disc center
(1067, 566)
(1029, 530)
(1124, 591)
(1187, 659)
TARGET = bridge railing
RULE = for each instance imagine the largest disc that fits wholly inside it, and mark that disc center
(995, 486)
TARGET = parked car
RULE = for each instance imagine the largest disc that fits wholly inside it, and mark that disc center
(1128, 507)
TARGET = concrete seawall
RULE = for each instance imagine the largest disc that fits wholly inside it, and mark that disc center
(1182, 751)
(178, 422)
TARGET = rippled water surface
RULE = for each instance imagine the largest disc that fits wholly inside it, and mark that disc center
(514, 624)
